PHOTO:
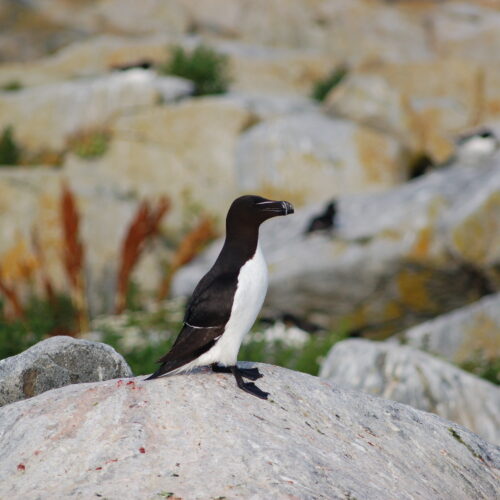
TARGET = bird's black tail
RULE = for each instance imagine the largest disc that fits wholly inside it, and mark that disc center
(165, 368)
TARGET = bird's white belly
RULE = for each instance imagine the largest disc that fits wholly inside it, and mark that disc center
(248, 300)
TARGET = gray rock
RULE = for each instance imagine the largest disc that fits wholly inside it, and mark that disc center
(465, 334)
(197, 436)
(394, 259)
(310, 156)
(266, 106)
(56, 362)
(412, 377)
(40, 117)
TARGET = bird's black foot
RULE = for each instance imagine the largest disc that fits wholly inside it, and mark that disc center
(249, 387)
(249, 373)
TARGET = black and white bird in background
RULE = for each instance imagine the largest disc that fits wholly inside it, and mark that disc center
(477, 144)
(470, 148)
(325, 221)
(227, 300)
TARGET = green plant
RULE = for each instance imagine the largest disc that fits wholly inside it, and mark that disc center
(10, 152)
(42, 318)
(11, 86)
(89, 144)
(305, 359)
(489, 369)
(205, 67)
(323, 87)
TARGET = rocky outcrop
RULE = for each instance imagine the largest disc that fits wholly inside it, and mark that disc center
(40, 118)
(198, 436)
(56, 362)
(412, 377)
(467, 335)
(392, 260)
(308, 156)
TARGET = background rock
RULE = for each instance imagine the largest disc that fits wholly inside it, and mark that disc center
(40, 115)
(56, 362)
(468, 334)
(412, 377)
(311, 440)
(305, 156)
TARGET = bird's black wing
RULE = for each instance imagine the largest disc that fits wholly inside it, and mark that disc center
(206, 316)
(212, 300)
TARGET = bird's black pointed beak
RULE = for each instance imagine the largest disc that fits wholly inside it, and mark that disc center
(273, 208)
(287, 207)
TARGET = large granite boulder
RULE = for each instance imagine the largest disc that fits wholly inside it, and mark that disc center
(393, 260)
(198, 436)
(56, 362)
(415, 378)
(44, 117)
(86, 58)
(469, 334)
(308, 156)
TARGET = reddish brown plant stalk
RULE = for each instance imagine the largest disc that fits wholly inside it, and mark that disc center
(73, 255)
(189, 247)
(145, 225)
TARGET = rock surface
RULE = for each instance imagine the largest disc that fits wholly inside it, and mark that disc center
(308, 157)
(465, 335)
(56, 362)
(40, 115)
(197, 436)
(412, 377)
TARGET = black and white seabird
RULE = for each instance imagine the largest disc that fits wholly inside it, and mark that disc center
(226, 301)
(477, 144)
(324, 221)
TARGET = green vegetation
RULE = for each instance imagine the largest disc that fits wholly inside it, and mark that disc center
(10, 152)
(143, 337)
(306, 358)
(12, 86)
(489, 369)
(89, 144)
(206, 68)
(41, 319)
(323, 87)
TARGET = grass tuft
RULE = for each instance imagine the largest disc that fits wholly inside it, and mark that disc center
(206, 68)
(322, 88)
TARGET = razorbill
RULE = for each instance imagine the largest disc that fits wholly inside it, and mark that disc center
(477, 144)
(226, 301)
(324, 221)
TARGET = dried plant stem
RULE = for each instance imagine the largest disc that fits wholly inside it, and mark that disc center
(189, 247)
(73, 256)
(144, 225)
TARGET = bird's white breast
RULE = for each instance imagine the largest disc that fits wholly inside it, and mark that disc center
(477, 146)
(248, 299)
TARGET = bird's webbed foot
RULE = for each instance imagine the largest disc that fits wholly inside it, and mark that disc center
(249, 387)
(249, 373)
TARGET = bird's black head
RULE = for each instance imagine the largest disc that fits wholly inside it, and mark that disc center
(486, 134)
(254, 210)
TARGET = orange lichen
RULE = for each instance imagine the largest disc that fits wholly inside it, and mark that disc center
(483, 335)
(413, 287)
(421, 246)
(477, 237)
(18, 263)
(374, 155)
